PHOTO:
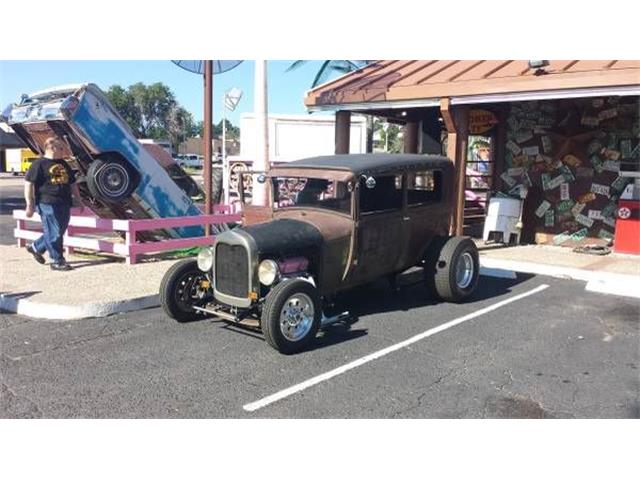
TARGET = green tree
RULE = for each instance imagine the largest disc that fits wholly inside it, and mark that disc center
(155, 104)
(125, 105)
(232, 130)
(153, 112)
(390, 136)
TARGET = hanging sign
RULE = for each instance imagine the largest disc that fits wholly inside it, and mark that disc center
(481, 121)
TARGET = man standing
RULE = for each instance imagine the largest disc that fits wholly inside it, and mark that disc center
(48, 188)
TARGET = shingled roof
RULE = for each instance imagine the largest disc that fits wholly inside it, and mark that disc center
(398, 80)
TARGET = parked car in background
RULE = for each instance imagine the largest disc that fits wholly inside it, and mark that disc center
(190, 161)
(333, 223)
(118, 177)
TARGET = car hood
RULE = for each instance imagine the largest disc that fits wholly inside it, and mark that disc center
(283, 235)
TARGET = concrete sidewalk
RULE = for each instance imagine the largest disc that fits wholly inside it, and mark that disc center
(100, 285)
(613, 273)
(96, 287)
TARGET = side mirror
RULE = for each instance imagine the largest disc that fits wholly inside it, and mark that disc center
(370, 182)
(261, 178)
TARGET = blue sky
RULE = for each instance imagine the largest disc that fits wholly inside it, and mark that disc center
(286, 89)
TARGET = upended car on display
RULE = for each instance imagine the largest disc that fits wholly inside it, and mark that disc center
(118, 176)
(333, 223)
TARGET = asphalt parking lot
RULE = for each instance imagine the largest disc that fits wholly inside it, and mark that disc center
(556, 352)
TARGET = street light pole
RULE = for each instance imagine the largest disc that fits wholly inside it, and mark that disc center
(225, 167)
(261, 162)
(208, 118)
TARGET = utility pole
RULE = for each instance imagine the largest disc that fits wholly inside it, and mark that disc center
(261, 162)
(208, 118)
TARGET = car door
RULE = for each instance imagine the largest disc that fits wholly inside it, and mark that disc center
(380, 236)
(424, 212)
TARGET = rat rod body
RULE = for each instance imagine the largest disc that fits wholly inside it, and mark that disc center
(333, 223)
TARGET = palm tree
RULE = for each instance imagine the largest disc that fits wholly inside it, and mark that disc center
(328, 66)
(341, 66)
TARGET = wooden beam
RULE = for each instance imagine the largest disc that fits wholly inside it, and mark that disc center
(456, 120)
(462, 123)
(343, 131)
(447, 117)
(411, 137)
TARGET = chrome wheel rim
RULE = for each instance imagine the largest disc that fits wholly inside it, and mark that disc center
(464, 270)
(114, 179)
(296, 317)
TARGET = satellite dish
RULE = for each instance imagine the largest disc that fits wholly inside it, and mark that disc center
(197, 66)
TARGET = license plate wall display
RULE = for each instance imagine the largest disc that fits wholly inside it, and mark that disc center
(570, 151)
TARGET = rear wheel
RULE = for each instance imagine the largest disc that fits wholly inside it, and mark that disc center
(111, 180)
(291, 315)
(452, 268)
(181, 289)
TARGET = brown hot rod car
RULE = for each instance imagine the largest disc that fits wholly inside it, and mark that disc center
(333, 223)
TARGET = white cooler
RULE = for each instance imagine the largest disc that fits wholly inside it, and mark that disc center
(501, 224)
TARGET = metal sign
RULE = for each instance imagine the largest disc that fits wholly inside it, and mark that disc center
(232, 98)
(481, 121)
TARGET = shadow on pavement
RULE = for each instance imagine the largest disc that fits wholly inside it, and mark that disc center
(20, 295)
(379, 297)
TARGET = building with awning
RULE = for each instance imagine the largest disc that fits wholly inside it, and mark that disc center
(555, 133)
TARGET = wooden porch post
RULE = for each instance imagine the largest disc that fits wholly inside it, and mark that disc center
(456, 120)
(343, 131)
(411, 137)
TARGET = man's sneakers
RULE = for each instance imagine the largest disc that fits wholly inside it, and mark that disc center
(38, 257)
(61, 266)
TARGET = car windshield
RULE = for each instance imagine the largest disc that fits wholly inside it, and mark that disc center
(311, 192)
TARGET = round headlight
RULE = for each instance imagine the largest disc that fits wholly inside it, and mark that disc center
(267, 272)
(205, 259)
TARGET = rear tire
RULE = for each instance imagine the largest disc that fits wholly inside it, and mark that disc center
(452, 268)
(178, 291)
(111, 180)
(291, 315)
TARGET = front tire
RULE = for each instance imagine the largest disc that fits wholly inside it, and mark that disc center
(111, 180)
(180, 291)
(452, 268)
(291, 315)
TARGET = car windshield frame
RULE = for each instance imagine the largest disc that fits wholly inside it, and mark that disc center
(324, 204)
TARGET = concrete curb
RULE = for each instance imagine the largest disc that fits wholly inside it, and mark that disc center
(600, 282)
(608, 283)
(48, 311)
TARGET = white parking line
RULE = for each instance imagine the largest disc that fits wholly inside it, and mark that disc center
(253, 406)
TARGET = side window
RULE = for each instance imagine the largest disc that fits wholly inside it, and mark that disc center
(424, 187)
(386, 195)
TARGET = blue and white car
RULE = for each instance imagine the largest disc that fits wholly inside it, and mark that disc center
(118, 177)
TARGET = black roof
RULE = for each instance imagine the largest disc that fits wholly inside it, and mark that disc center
(360, 163)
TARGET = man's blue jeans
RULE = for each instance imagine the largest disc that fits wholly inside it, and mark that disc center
(55, 219)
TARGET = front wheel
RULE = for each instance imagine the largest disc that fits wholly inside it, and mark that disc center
(183, 287)
(291, 315)
(111, 180)
(452, 268)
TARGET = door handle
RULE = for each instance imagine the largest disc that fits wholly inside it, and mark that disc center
(406, 218)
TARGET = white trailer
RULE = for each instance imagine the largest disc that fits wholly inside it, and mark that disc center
(292, 137)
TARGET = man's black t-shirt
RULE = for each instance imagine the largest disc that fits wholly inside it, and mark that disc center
(52, 180)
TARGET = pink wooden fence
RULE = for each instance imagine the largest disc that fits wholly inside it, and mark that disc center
(84, 222)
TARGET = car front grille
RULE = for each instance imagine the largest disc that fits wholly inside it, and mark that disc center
(231, 270)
